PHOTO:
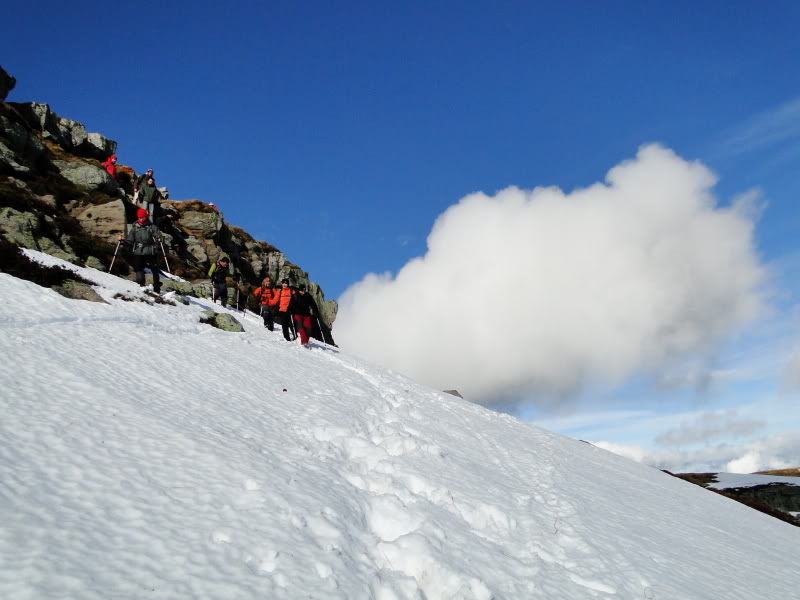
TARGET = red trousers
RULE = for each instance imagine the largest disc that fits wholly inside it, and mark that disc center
(303, 326)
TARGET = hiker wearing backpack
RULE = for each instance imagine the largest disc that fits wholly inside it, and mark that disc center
(284, 299)
(141, 180)
(219, 280)
(142, 241)
(149, 197)
(303, 308)
(268, 297)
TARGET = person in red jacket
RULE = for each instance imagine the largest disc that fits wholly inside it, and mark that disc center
(283, 298)
(111, 165)
(268, 297)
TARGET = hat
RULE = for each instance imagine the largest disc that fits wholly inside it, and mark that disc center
(141, 213)
(223, 259)
(301, 287)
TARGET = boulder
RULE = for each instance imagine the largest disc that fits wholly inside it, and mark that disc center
(78, 291)
(200, 224)
(73, 134)
(87, 176)
(26, 143)
(97, 146)
(7, 83)
(103, 220)
(222, 321)
(180, 287)
(8, 161)
(25, 229)
(40, 118)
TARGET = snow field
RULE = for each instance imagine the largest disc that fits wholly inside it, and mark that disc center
(143, 454)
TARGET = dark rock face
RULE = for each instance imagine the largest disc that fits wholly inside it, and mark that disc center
(7, 83)
(779, 496)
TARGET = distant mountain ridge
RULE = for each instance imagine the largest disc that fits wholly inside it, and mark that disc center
(56, 197)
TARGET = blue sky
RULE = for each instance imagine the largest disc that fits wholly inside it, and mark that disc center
(339, 132)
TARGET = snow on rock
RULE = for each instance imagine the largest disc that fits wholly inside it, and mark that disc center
(146, 455)
(725, 481)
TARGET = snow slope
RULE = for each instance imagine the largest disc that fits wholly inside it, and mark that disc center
(146, 455)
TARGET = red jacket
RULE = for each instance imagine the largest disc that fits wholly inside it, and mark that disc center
(110, 166)
(269, 296)
(282, 298)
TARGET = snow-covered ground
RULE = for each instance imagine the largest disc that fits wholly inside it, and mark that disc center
(739, 480)
(146, 455)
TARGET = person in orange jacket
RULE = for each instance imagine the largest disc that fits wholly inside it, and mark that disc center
(111, 165)
(283, 298)
(268, 297)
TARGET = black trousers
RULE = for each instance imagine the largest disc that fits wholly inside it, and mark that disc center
(266, 314)
(287, 323)
(139, 262)
(221, 292)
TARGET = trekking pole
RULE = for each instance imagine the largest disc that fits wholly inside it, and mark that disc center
(321, 332)
(164, 252)
(115, 256)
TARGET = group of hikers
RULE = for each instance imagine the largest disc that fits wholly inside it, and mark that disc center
(294, 306)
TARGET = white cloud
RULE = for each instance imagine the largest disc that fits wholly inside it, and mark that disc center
(541, 292)
(779, 451)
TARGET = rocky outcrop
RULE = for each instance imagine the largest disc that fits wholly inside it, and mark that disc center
(7, 83)
(70, 135)
(56, 197)
(87, 176)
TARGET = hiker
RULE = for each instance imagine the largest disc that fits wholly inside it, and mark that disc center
(111, 165)
(142, 240)
(268, 297)
(149, 197)
(214, 207)
(219, 276)
(283, 299)
(141, 179)
(303, 308)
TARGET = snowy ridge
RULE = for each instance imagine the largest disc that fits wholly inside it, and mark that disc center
(146, 455)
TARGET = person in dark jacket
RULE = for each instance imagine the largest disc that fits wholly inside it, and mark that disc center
(142, 241)
(149, 197)
(303, 308)
(268, 297)
(141, 180)
(219, 280)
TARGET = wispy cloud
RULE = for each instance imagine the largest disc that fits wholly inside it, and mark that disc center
(712, 425)
(771, 129)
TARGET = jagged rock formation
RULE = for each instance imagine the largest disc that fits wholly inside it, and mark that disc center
(56, 197)
(7, 83)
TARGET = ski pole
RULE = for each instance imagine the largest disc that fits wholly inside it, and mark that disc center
(166, 262)
(115, 256)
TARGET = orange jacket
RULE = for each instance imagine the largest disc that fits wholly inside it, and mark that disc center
(267, 294)
(282, 299)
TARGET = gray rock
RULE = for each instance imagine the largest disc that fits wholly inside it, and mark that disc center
(40, 118)
(8, 161)
(20, 227)
(197, 250)
(95, 263)
(97, 146)
(222, 321)
(78, 291)
(88, 176)
(72, 133)
(26, 143)
(204, 225)
(181, 287)
(7, 83)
